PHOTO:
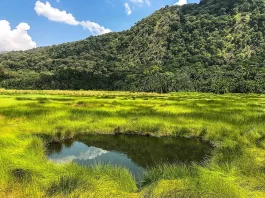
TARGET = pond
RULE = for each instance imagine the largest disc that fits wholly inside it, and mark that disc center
(136, 153)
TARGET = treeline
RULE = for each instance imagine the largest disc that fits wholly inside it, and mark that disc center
(214, 46)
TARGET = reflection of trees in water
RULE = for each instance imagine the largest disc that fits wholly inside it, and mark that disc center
(55, 148)
(145, 151)
(68, 143)
(148, 151)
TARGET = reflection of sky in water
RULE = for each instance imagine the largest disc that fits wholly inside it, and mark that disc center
(132, 152)
(78, 151)
(84, 155)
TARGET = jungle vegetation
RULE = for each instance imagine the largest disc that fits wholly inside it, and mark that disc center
(214, 46)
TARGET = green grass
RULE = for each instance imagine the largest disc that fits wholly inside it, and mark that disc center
(234, 123)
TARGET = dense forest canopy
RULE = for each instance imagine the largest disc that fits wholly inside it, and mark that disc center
(215, 46)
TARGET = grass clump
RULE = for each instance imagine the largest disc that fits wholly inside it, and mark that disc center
(65, 185)
(168, 172)
(21, 175)
(195, 181)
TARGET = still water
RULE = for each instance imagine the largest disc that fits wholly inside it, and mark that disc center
(136, 153)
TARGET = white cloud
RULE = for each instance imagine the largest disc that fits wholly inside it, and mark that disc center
(94, 28)
(90, 154)
(17, 39)
(181, 2)
(141, 2)
(128, 10)
(54, 14)
(58, 1)
(148, 2)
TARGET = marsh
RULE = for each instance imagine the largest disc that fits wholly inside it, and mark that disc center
(134, 152)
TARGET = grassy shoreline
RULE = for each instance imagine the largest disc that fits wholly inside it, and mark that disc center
(234, 123)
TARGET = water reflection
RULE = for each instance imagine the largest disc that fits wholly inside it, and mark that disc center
(67, 155)
(133, 152)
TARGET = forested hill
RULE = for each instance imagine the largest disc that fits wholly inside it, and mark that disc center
(215, 46)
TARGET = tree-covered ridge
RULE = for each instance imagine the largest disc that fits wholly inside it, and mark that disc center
(215, 46)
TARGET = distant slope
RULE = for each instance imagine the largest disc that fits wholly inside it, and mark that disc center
(215, 46)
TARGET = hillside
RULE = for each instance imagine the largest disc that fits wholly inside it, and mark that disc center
(215, 46)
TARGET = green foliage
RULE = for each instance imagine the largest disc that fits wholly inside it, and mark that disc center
(169, 172)
(214, 46)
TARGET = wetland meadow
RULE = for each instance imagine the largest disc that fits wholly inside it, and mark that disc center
(183, 144)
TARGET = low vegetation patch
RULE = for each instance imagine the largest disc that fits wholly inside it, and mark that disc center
(233, 123)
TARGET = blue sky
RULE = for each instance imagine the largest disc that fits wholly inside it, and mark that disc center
(58, 21)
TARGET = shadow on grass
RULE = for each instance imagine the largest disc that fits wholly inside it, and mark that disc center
(15, 112)
(65, 185)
